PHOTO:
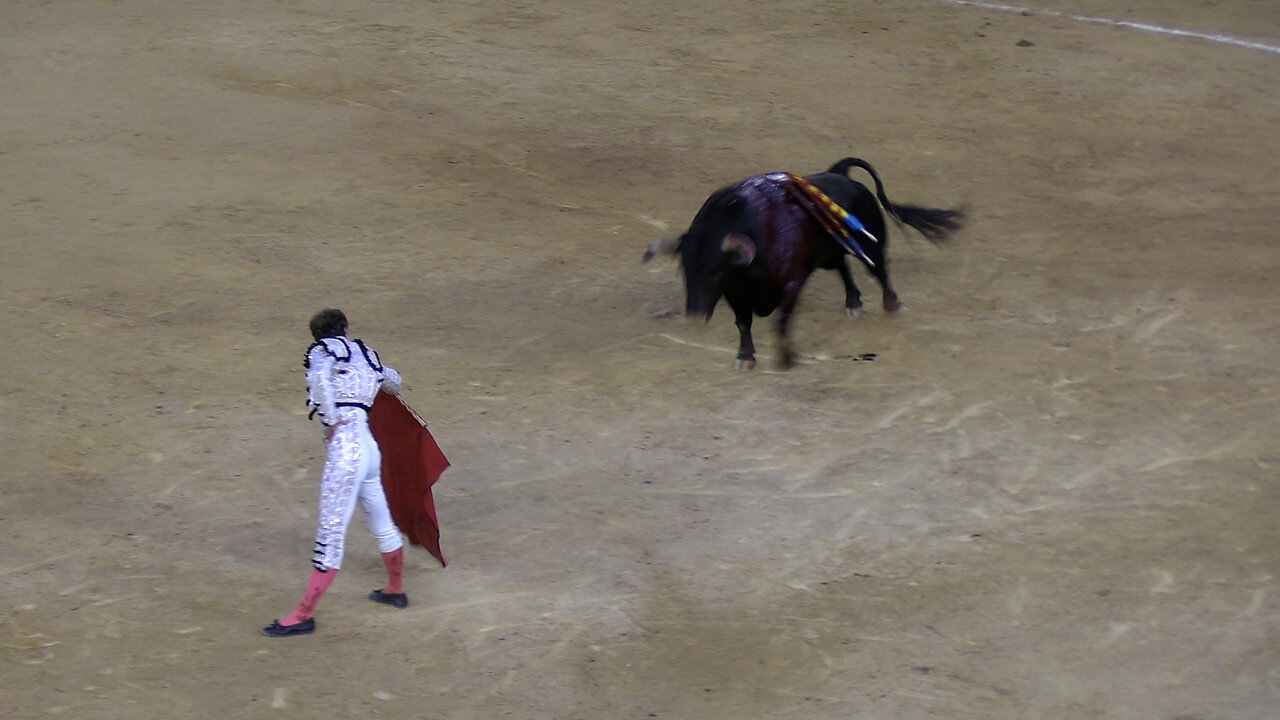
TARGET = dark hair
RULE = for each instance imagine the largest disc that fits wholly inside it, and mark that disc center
(328, 323)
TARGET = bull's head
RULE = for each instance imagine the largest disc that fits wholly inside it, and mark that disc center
(706, 265)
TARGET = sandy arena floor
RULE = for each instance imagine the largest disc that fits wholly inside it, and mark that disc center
(1054, 494)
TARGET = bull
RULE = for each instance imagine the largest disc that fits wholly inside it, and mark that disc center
(757, 241)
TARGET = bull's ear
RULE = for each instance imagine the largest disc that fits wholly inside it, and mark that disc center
(741, 249)
(669, 245)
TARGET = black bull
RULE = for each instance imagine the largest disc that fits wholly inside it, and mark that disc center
(755, 244)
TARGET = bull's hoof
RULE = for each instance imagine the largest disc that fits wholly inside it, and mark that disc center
(744, 364)
(892, 304)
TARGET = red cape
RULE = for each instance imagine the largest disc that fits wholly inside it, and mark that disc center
(411, 463)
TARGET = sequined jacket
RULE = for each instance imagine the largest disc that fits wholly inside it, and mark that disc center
(343, 378)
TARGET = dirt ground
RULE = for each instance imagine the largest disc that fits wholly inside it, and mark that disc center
(1053, 494)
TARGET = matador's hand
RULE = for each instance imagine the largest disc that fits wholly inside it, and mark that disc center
(328, 431)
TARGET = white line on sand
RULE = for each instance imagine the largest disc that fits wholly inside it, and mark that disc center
(1142, 26)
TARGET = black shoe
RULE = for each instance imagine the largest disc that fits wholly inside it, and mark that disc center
(396, 600)
(275, 629)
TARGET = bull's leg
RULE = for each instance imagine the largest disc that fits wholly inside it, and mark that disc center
(746, 348)
(790, 295)
(890, 298)
(852, 296)
(879, 253)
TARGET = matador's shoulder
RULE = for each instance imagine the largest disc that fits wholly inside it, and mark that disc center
(337, 348)
(370, 355)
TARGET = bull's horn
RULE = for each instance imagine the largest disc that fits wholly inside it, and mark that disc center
(669, 245)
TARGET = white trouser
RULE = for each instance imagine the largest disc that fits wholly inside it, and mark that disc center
(352, 471)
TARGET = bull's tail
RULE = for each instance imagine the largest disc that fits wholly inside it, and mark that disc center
(933, 223)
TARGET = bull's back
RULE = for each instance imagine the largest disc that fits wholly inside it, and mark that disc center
(724, 212)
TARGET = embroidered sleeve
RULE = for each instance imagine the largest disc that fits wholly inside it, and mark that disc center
(390, 383)
(320, 395)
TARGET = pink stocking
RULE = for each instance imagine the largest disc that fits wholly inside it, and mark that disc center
(394, 561)
(319, 583)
